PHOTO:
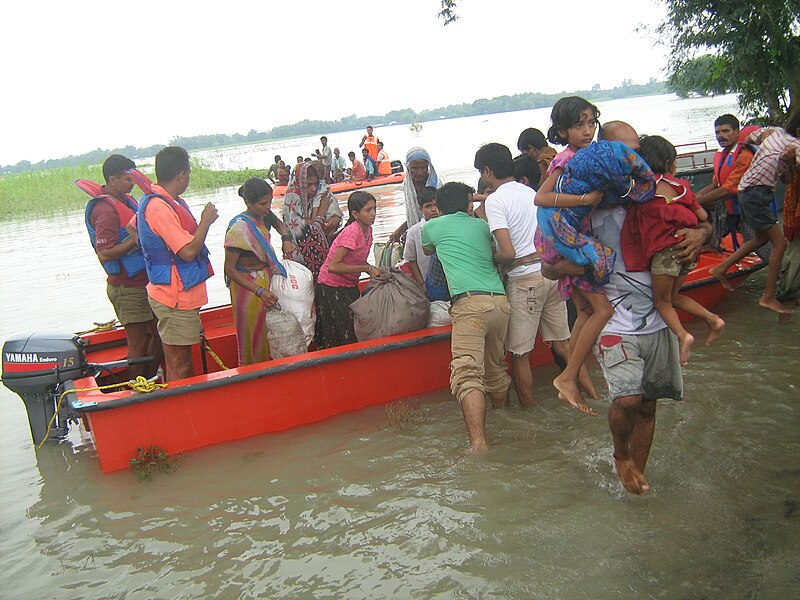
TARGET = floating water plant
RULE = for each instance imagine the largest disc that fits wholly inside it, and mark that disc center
(151, 460)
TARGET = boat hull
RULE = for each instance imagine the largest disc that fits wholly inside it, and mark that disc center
(230, 404)
(351, 186)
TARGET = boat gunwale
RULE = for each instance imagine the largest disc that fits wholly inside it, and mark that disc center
(313, 360)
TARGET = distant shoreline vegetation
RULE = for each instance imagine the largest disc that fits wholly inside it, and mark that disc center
(482, 106)
(49, 192)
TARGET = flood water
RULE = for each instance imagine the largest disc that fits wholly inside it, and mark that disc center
(369, 505)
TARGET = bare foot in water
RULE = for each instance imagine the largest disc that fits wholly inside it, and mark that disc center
(686, 348)
(568, 392)
(477, 448)
(715, 329)
(631, 477)
(773, 304)
(720, 276)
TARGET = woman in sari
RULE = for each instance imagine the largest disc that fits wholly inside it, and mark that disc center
(420, 173)
(310, 213)
(249, 263)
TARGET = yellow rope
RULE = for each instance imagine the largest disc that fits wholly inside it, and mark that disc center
(109, 325)
(216, 358)
(140, 384)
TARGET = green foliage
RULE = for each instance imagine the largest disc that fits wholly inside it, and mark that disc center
(703, 75)
(51, 192)
(757, 46)
(148, 461)
(448, 12)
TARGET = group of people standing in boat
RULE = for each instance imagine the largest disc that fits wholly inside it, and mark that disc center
(603, 222)
(332, 166)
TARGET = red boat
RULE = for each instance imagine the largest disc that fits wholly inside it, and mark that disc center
(349, 186)
(234, 403)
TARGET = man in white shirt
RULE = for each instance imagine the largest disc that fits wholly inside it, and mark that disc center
(535, 301)
(326, 156)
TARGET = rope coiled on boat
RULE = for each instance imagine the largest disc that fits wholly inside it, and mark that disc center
(140, 385)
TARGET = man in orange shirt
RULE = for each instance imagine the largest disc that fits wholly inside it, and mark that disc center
(176, 259)
(730, 164)
(370, 142)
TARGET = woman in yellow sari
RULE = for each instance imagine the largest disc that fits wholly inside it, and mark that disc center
(249, 263)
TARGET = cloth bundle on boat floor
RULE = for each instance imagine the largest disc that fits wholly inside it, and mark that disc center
(392, 304)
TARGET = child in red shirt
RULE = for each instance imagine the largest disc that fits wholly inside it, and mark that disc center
(648, 239)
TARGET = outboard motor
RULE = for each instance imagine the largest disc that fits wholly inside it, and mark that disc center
(34, 366)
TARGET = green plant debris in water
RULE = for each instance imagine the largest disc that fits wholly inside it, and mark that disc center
(148, 461)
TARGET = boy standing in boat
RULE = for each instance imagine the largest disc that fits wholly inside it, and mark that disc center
(106, 218)
(479, 307)
(326, 156)
(176, 258)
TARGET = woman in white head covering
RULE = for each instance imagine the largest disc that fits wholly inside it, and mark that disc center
(420, 173)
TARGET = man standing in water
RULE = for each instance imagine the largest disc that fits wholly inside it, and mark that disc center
(176, 258)
(637, 352)
(479, 307)
(106, 218)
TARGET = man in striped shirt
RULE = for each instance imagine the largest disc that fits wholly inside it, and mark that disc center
(756, 190)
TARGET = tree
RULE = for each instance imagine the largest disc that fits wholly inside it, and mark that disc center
(703, 75)
(755, 47)
(448, 12)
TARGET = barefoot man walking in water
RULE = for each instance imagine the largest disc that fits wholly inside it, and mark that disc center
(638, 353)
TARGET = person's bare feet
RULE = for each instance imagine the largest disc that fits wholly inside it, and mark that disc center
(715, 329)
(477, 448)
(568, 392)
(719, 275)
(773, 304)
(587, 385)
(686, 348)
(783, 318)
(631, 478)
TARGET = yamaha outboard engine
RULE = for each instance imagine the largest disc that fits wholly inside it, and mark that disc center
(34, 366)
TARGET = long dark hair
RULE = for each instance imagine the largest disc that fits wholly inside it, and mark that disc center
(254, 189)
(356, 202)
(566, 113)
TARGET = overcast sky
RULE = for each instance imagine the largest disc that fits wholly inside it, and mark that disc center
(102, 74)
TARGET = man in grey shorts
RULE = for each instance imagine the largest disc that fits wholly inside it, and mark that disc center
(637, 352)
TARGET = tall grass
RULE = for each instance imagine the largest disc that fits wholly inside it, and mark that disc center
(52, 192)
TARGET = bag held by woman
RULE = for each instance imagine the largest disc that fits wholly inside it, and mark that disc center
(284, 334)
(295, 294)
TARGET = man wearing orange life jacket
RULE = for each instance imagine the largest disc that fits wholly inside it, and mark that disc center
(176, 259)
(383, 162)
(106, 216)
(370, 142)
(730, 164)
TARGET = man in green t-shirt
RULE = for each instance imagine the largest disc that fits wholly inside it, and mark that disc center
(479, 307)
